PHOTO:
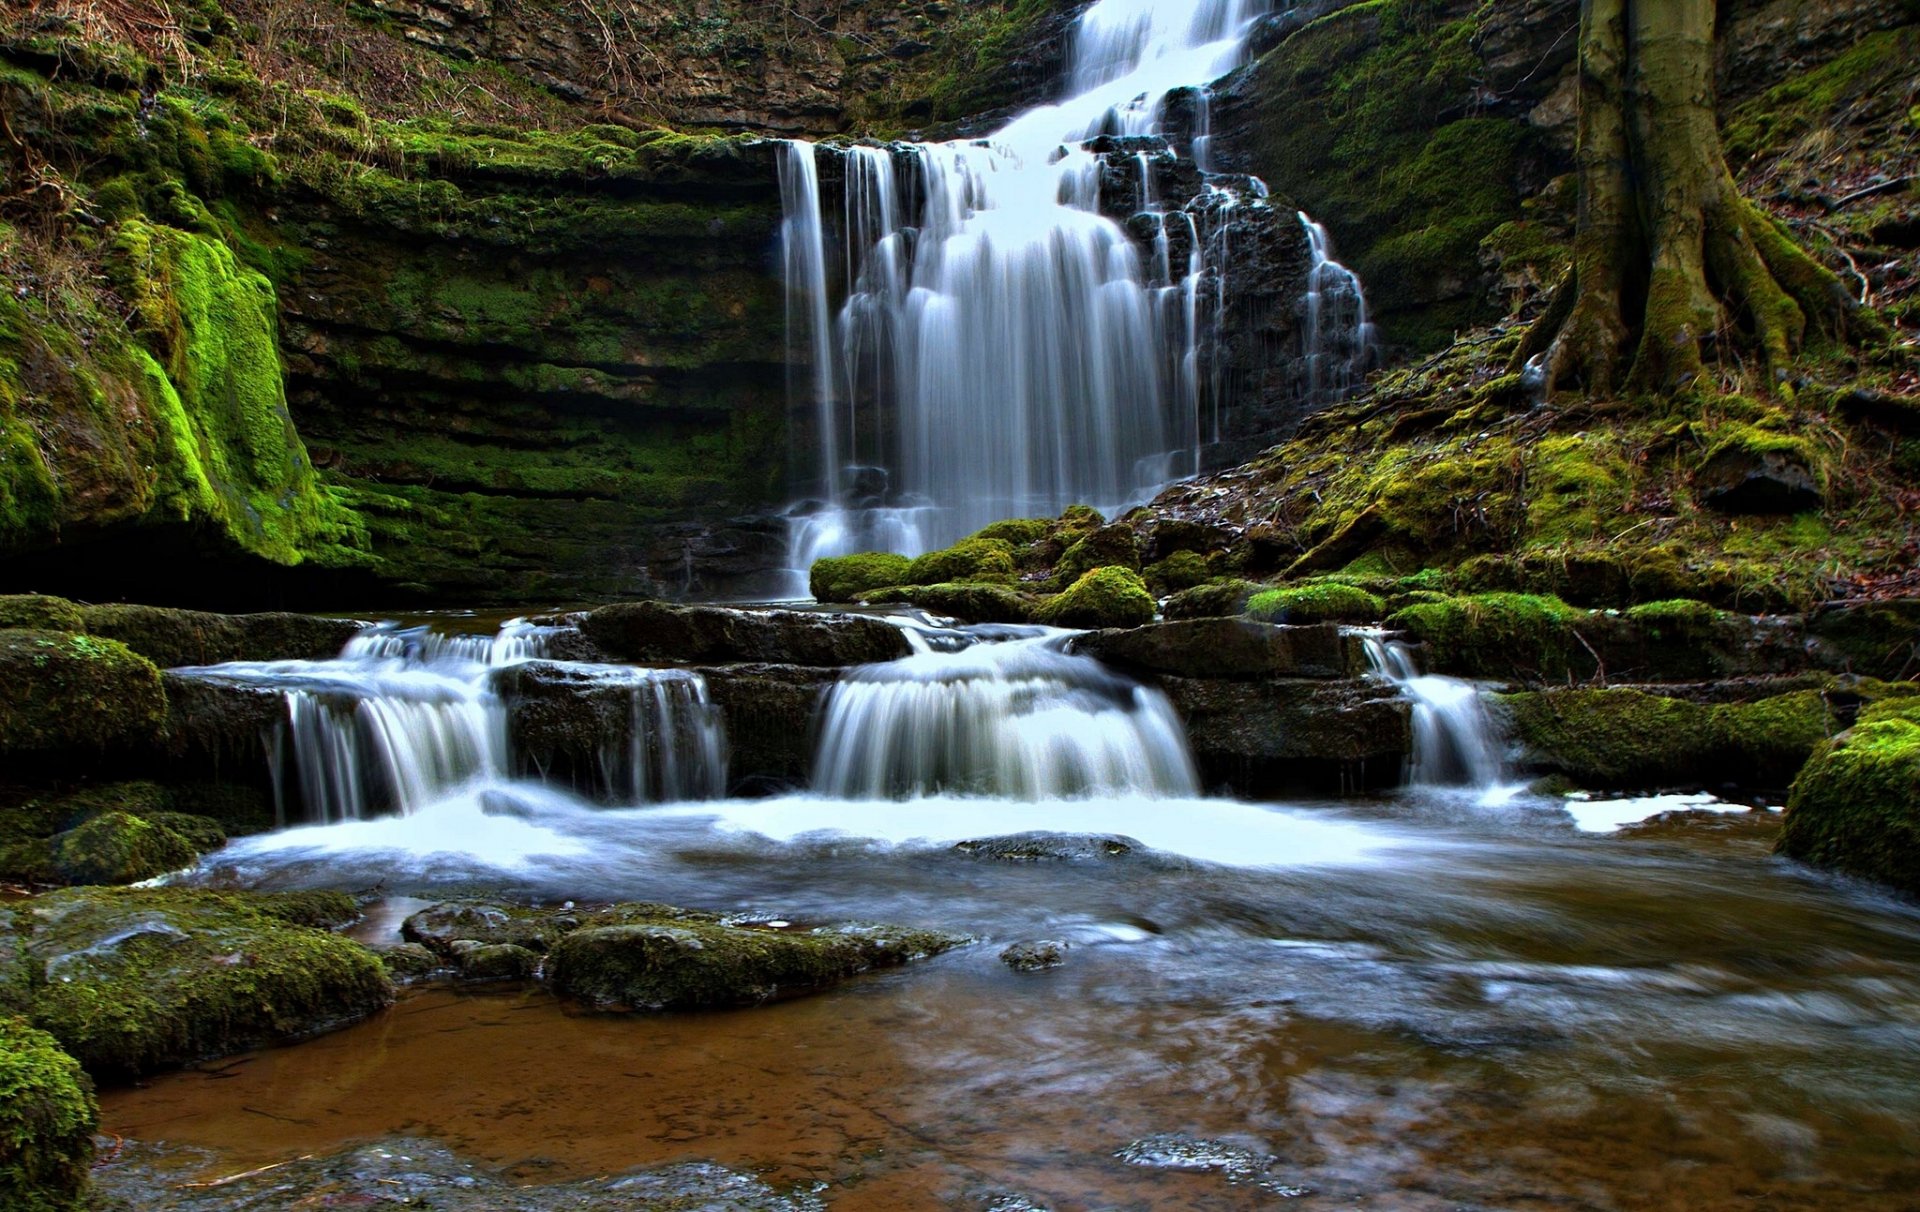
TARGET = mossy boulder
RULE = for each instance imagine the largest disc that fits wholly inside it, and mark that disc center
(695, 960)
(1529, 635)
(1321, 602)
(1181, 570)
(444, 927)
(1749, 469)
(967, 560)
(969, 603)
(135, 980)
(118, 848)
(1104, 597)
(39, 612)
(1112, 546)
(1856, 805)
(845, 578)
(1213, 600)
(1017, 532)
(63, 694)
(1625, 739)
(47, 1121)
(171, 638)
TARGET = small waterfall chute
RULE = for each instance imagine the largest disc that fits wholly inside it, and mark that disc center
(1018, 718)
(1454, 742)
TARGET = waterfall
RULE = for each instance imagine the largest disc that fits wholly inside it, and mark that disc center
(405, 717)
(1336, 337)
(1019, 719)
(1003, 349)
(1454, 743)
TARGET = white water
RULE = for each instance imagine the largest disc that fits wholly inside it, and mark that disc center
(1336, 335)
(409, 717)
(1454, 743)
(1010, 349)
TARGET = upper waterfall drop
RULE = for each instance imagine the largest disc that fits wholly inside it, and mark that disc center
(1002, 348)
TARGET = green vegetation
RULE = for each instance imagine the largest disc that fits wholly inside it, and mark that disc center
(1104, 597)
(845, 578)
(38, 612)
(1219, 598)
(968, 560)
(143, 979)
(74, 695)
(1627, 739)
(47, 1121)
(1180, 571)
(1103, 547)
(1525, 633)
(969, 602)
(1320, 602)
(1856, 806)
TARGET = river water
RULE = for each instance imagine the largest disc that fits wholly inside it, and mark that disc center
(1432, 1000)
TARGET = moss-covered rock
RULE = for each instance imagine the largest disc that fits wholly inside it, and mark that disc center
(134, 980)
(1750, 469)
(845, 578)
(39, 612)
(969, 603)
(650, 632)
(1112, 546)
(1525, 634)
(78, 695)
(1320, 602)
(1227, 648)
(967, 560)
(1856, 805)
(1104, 597)
(171, 638)
(47, 1120)
(1216, 599)
(116, 848)
(1622, 739)
(1179, 571)
(690, 961)
(1017, 532)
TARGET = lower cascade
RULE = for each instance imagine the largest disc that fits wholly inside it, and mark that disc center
(405, 717)
(1454, 743)
(1019, 718)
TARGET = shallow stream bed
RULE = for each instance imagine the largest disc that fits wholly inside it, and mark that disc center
(1428, 1002)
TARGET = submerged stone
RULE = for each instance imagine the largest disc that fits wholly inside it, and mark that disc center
(134, 980)
(1035, 956)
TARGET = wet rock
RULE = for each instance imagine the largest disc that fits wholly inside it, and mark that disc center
(1742, 480)
(39, 612)
(1035, 956)
(134, 980)
(1288, 735)
(443, 928)
(171, 638)
(1048, 847)
(649, 961)
(769, 712)
(211, 723)
(1218, 599)
(112, 848)
(16, 974)
(1855, 807)
(1227, 648)
(494, 961)
(656, 632)
(1877, 639)
(408, 1172)
(409, 961)
(967, 603)
(47, 1120)
(1194, 1154)
(1105, 597)
(73, 698)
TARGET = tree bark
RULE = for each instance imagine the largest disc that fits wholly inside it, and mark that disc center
(1670, 262)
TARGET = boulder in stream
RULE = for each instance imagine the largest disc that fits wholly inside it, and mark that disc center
(134, 980)
(1856, 805)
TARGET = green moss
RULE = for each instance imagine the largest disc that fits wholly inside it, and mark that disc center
(845, 578)
(969, 603)
(694, 960)
(1577, 485)
(1623, 739)
(1856, 805)
(1217, 599)
(1104, 597)
(142, 979)
(967, 560)
(47, 1121)
(39, 612)
(1020, 532)
(1320, 602)
(1181, 570)
(1112, 546)
(1809, 102)
(116, 848)
(1524, 633)
(74, 695)
(1676, 618)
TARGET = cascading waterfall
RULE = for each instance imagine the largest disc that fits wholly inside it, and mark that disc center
(1017, 718)
(405, 717)
(1003, 349)
(1454, 743)
(1336, 337)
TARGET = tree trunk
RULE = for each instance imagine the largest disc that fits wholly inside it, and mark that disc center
(1669, 260)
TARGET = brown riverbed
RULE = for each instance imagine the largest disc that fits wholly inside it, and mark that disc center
(1520, 1017)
